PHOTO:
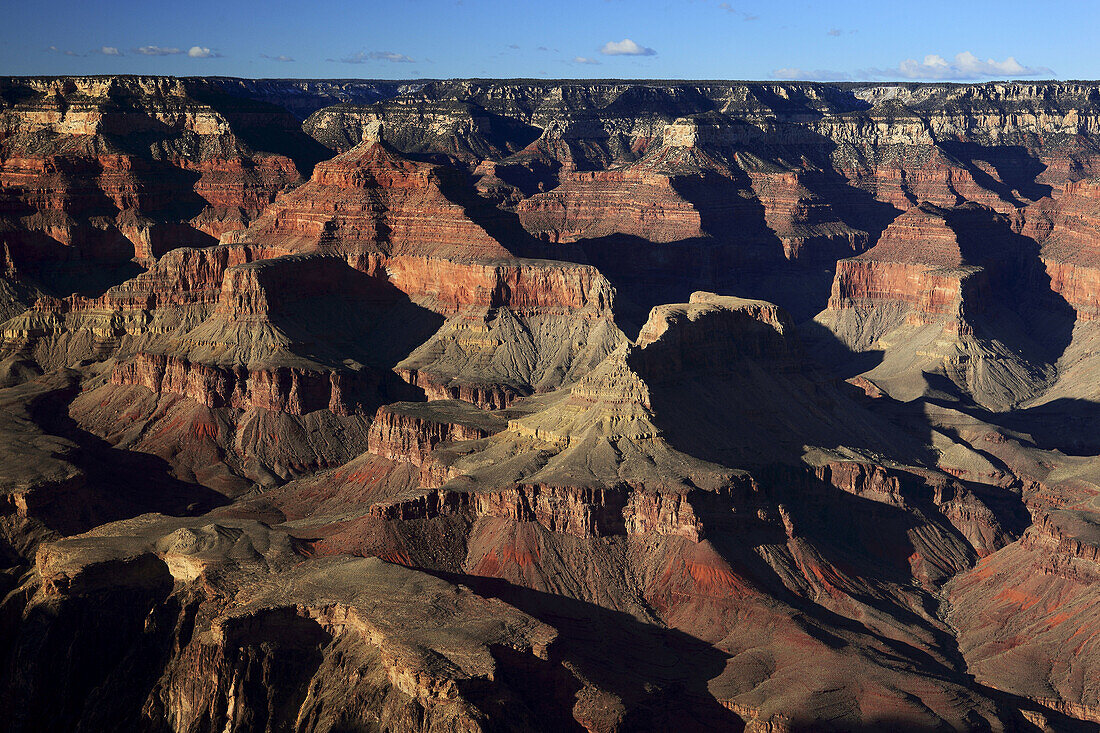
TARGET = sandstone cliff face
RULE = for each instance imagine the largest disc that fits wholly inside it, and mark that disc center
(72, 191)
(525, 287)
(582, 513)
(280, 389)
(370, 200)
(917, 262)
(592, 204)
(934, 283)
(419, 352)
(1069, 247)
(410, 432)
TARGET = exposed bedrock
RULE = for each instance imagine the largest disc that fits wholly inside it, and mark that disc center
(98, 171)
(333, 642)
(955, 294)
(548, 405)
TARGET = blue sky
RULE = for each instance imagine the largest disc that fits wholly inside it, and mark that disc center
(683, 39)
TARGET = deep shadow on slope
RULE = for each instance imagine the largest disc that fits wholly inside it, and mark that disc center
(1017, 169)
(661, 674)
(134, 483)
(277, 131)
(354, 315)
(96, 661)
(741, 253)
(1070, 426)
(1021, 310)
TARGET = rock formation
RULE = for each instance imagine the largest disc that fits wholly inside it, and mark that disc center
(542, 405)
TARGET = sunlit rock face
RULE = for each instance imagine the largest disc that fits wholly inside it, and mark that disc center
(595, 405)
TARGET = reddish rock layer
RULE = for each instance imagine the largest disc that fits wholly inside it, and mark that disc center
(527, 287)
(585, 513)
(917, 262)
(409, 432)
(1071, 249)
(594, 204)
(1026, 617)
(68, 191)
(370, 200)
(282, 389)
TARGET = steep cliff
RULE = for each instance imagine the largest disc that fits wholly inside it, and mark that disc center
(547, 405)
(953, 293)
(98, 170)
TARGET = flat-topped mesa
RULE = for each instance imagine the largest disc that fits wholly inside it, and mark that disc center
(712, 333)
(597, 436)
(370, 200)
(592, 204)
(527, 287)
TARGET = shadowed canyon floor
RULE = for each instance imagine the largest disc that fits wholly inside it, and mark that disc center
(511, 405)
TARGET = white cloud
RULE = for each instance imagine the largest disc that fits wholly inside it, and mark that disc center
(584, 60)
(396, 58)
(280, 57)
(157, 51)
(364, 56)
(202, 52)
(626, 47)
(964, 66)
(110, 51)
